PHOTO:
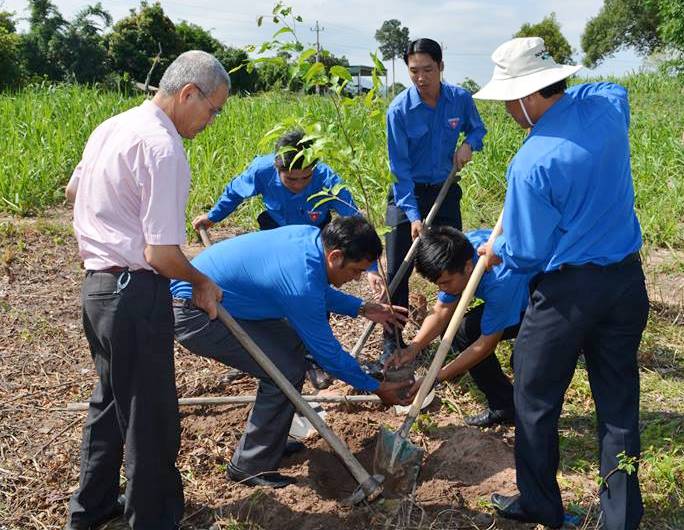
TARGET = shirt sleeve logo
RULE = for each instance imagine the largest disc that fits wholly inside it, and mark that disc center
(453, 122)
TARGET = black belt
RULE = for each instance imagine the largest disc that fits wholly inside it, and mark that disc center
(116, 270)
(427, 185)
(630, 258)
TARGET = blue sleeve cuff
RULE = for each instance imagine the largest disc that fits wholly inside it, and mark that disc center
(474, 141)
(413, 214)
(499, 244)
(215, 216)
(373, 267)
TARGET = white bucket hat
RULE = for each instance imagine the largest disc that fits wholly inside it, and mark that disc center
(522, 67)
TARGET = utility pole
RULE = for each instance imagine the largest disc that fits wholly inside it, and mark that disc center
(318, 30)
(444, 47)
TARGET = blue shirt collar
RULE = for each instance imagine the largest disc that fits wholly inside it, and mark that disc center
(552, 114)
(415, 99)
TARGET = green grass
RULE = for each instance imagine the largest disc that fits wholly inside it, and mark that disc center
(48, 127)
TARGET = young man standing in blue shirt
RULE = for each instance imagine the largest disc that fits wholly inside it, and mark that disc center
(447, 257)
(569, 216)
(424, 124)
(285, 185)
(277, 285)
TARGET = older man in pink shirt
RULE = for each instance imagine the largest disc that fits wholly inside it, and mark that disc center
(130, 191)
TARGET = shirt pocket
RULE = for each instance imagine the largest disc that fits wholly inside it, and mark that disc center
(416, 131)
(451, 130)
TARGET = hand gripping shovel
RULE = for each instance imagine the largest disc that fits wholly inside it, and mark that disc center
(408, 259)
(370, 487)
(396, 458)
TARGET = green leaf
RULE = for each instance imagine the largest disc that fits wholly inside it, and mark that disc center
(281, 31)
(315, 70)
(306, 54)
(323, 193)
(299, 19)
(237, 68)
(260, 20)
(337, 188)
(322, 201)
(383, 230)
(341, 72)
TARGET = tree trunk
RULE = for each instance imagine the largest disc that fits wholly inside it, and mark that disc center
(394, 83)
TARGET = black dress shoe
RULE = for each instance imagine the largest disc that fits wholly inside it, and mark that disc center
(490, 417)
(117, 511)
(293, 446)
(319, 378)
(270, 479)
(509, 508)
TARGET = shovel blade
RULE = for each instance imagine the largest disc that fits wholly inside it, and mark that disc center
(398, 460)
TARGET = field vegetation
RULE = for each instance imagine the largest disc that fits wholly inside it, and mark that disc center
(48, 127)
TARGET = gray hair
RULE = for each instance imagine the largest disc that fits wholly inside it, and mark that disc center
(196, 67)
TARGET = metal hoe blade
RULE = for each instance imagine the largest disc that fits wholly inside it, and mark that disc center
(398, 460)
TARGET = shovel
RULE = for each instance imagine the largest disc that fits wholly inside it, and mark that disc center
(370, 487)
(396, 458)
(408, 259)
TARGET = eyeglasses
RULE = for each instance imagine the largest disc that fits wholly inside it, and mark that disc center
(215, 111)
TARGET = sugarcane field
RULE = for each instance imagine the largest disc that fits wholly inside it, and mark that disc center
(314, 265)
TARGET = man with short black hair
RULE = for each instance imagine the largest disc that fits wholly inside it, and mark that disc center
(424, 125)
(277, 285)
(285, 180)
(130, 190)
(569, 216)
(447, 257)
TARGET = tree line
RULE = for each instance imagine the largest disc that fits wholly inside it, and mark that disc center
(92, 48)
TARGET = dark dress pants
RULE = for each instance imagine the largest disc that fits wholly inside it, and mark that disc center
(602, 311)
(263, 442)
(398, 241)
(487, 374)
(134, 404)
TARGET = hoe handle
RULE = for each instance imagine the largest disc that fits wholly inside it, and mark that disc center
(444, 346)
(408, 259)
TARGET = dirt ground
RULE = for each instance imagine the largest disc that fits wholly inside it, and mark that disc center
(45, 364)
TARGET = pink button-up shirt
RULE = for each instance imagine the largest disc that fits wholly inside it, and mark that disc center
(133, 183)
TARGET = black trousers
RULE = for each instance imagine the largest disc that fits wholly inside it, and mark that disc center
(602, 311)
(134, 404)
(266, 222)
(487, 375)
(263, 442)
(398, 241)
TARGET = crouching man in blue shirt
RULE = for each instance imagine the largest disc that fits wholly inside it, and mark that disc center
(277, 284)
(285, 184)
(569, 215)
(447, 257)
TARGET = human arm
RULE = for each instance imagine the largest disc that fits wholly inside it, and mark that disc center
(530, 223)
(433, 325)
(72, 186)
(243, 186)
(400, 165)
(345, 304)
(170, 262)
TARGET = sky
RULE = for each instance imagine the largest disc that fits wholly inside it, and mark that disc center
(469, 30)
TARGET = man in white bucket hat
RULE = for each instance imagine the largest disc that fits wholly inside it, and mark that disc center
(569, 216)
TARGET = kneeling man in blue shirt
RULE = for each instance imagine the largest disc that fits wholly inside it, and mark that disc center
(277, 284)
(447, 257)
(285, 182)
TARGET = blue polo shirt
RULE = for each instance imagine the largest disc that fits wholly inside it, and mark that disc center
(570, 197)
(421, 140)
(504, 291)
(286, 208)
(281, 273)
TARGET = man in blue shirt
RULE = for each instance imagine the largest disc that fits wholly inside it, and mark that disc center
(277, 284)
(285, 182)
(424, 124)
(569, 216)
(447, 257)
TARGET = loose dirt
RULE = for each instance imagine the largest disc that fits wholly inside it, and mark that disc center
(45, 364)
